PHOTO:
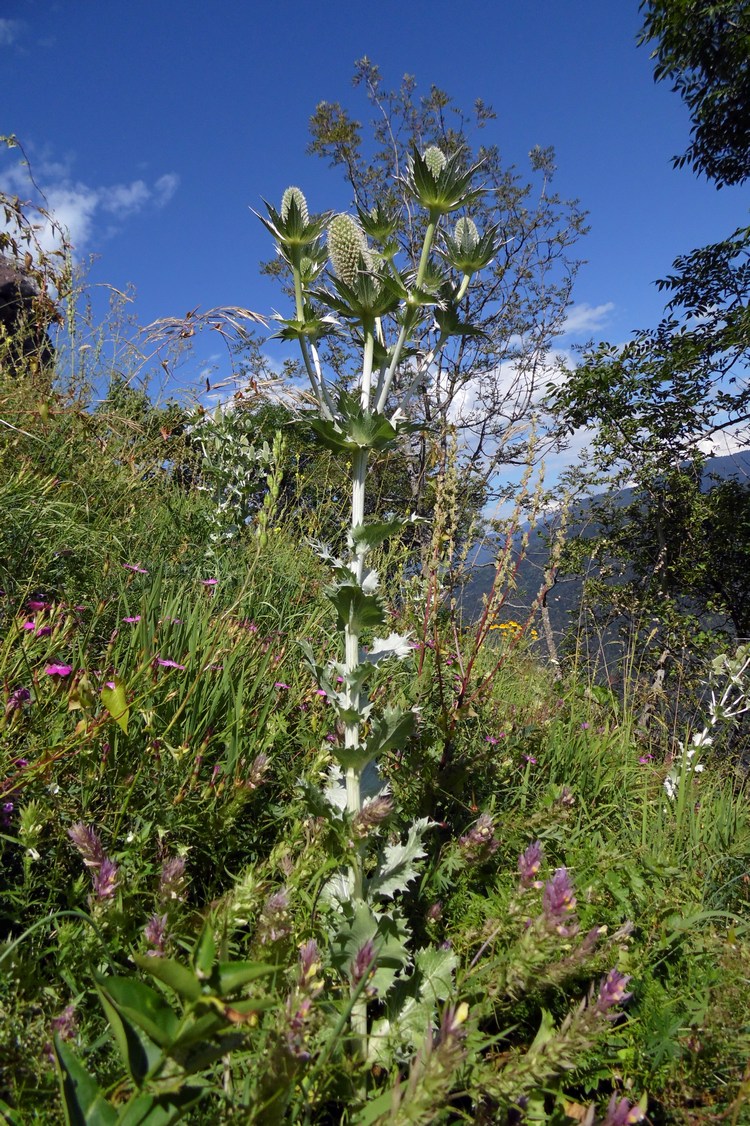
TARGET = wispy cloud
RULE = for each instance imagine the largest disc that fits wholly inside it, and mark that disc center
(586, 318)
(83, 211)
(9, 31)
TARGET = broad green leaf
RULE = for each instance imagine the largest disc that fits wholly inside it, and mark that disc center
(143, 1006)
(354, 608)
(232, 975)
(178, 977)
(139, 1054)
(83, 1102)
(159, 1110)
(205, 951)
(366, 536)
(397, 867)
(116, 703)
(388, 732)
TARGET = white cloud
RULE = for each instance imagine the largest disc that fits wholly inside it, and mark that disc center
(586, 318)
(77, 207)
(9, 31)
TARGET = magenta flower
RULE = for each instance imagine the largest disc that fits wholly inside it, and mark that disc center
(559, 902)
(167, 663)
(529, 863)
(58, 670)
(65, 1023)
(43, 631)
(35, 605)
(612, 991)
(363, 963)
(530, 759)
(28, 626)
(280, 684)
(155, 933)
(209, 582)
(135, 568)
(135, 618)
(105, 879)
(622, 1113)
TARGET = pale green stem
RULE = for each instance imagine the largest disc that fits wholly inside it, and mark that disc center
(386, 379)
(367, 365)
(462, 288)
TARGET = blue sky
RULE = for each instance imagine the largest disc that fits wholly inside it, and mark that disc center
(154, 127)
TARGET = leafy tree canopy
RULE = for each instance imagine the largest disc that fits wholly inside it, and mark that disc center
(703, 48)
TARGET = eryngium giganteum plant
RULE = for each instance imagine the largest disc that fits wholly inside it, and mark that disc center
(348, 282)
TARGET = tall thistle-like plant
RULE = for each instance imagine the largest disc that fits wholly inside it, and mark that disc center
(367, 296)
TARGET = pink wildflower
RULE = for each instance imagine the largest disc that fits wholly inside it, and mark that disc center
(58, 670)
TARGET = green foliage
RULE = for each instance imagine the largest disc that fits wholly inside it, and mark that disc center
(702, 47)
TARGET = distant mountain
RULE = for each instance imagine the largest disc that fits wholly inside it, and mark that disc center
(528, 572)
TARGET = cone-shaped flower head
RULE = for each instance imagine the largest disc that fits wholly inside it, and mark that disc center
(467, 250)
(293, 197)
(347, 248)
(434, 158)
(440, 183)
(466, 234)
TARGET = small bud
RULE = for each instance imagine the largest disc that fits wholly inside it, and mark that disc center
(529, 863)
(434, 158)
(372, 814)
(299, 199)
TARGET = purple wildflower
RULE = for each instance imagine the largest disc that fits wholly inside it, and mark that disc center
(88, 844)
(209, 582)
(105, 880)
(135, 568)
(155, 933)
(620, 1112)
(172, 879)
(36, 605)
(559, 902)
(274, 921)
(257, 772)
(309, 967)
(6, 813)
(612, 991)
(435, 912)
(58, 670)
(530, 759)
(364, 962)
(372, 814)
(168, 663)
(16, 700)
(29, 626)
(481, 840)
(298, 1012)
(134, 618)
(529, 863)
(280, 684)
(64, 1024)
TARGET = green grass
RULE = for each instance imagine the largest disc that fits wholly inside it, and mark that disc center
(218, 761)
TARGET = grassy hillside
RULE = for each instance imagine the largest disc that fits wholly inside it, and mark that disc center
(573, 943)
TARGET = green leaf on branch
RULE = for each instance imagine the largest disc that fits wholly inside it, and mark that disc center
(366, 536)
(397, 868)
(355, 609)
(389, 731)
(116, 703)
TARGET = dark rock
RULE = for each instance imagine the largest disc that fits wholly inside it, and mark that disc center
(25, 314)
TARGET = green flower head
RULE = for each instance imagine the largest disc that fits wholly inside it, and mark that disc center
(347, 249)
(294, 196)
(434, 158)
